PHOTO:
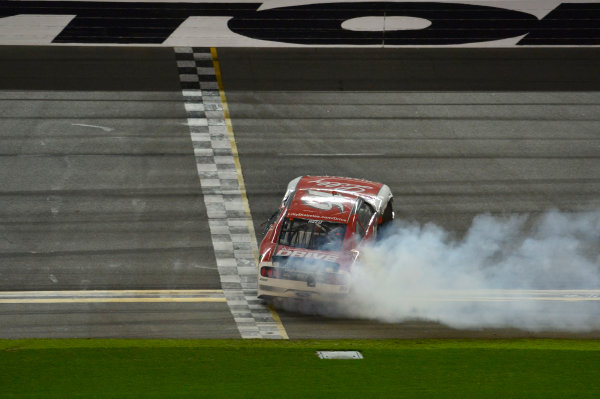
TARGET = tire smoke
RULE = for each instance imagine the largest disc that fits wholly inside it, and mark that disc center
(487, 278)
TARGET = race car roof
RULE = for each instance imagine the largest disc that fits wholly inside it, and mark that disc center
(329, 198)
(340, 184)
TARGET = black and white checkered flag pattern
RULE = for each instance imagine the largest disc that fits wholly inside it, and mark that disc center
(228, 216)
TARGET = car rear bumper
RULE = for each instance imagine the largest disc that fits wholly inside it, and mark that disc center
(277, 287)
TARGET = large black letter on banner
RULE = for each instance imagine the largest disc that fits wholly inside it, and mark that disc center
(122, 22)
(568, 24)
(322, 23)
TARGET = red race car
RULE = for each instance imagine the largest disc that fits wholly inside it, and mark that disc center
(311, 243)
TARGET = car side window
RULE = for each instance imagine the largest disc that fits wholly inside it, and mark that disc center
(364, 215)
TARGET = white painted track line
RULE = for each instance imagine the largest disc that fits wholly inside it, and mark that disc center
(134, 296)
(500, 295)
(114, 296)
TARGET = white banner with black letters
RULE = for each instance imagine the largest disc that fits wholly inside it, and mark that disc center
(291, 23)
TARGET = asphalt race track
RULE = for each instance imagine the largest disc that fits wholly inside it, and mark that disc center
(454, 133)
(99, 189)
(102, 194)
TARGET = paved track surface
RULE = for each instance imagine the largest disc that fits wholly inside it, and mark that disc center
(455, 133)
(99, 190)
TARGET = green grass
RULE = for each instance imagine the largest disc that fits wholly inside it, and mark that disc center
(290, 369)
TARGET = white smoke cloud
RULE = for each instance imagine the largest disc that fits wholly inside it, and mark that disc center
(488, 277)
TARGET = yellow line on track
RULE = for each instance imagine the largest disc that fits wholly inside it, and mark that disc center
(278, 323)
(240, 176)
(234, 151)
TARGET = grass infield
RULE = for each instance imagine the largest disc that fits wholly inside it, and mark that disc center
(95, 368)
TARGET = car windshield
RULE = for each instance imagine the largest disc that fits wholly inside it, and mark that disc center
(312, 234)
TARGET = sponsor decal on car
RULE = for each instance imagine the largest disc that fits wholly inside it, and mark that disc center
(295, 253)
(323, 200)
(341, 186)
(309, 216)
